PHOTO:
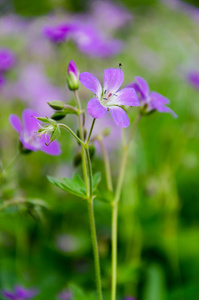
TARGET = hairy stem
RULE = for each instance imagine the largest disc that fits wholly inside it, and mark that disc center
(71, 132)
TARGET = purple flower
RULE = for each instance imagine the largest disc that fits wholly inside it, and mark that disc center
(57, 34)
(7, 59)
(150, 101)
(109, 15)
(73, 76)
(28, 133)
(193, 79)
(90, 41)
(129, 298)
(20, 293)
(65, 295)
(108, 97)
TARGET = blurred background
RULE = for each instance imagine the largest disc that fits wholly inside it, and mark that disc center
(45, 241)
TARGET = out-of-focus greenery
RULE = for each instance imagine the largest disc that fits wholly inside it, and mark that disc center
(158, 215)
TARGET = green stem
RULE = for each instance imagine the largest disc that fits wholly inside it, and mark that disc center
(107, 166)
(71, 132)
(90, 132)
(10, 162)
(84, 167)
(87, 169)
(89, 173)
(95, 249)
(115, 207)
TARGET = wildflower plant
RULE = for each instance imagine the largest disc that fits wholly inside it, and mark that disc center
(107, 98)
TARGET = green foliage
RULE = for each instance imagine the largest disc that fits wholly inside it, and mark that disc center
(73, 186)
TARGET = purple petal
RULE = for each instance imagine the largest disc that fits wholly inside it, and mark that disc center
(159, 98)
(52, 149)
(29, 121)
(126, 96)
(119, 116)
(113, 79)
(16, 123)
(72, 68)
(91, 82)
(161, 108)
(95, 109)
(23, 293)
(143, 85)
(8, 295)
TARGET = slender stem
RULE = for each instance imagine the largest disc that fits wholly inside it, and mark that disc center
(92, 227)
(133, 129)
(87, 169)
(84, 167)
(71, 132)
(115, 206)
(89, 173)
(95, 249)
(107, 166)
(10, 162)
(90, 132)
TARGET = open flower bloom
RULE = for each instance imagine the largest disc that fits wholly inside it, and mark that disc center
(150, 101)
(28, 133)
(109, 97)
(20, 293)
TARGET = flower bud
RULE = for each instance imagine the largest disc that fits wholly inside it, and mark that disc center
(72, 76)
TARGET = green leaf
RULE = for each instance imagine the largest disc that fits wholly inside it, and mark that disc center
(57, 105)
(73, 186)
(96, 180)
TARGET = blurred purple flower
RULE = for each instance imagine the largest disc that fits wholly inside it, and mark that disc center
(151, 101)
(65, 295)
(12, 25)
(2, 80)
(109, 98)
(7, 59)
(184, 7)
(110, 16)
(192, 78)
(20, 293)
(90, 40)
(34, 88)
(28, 133)
(57, 34)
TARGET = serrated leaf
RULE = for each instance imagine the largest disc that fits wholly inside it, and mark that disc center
(76, 184)
(70, 186)
(96, 180)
